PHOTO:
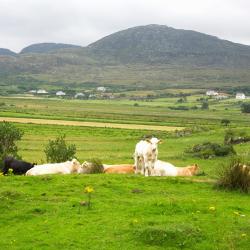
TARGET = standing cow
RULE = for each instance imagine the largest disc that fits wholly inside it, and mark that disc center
(18, 167)
(145, 156)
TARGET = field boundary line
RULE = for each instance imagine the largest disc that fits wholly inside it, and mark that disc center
(89, 124)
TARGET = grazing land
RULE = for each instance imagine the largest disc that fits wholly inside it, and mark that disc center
(128, 212)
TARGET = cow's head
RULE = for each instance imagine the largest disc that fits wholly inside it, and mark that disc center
(154, 142)
(194, 169)
(76, 165)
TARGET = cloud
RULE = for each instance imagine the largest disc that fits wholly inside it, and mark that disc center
(23, 22)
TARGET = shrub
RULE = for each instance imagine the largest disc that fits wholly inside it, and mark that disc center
(179, 107)
(204, 105)
(59, 151)
(235, 137)
(93, 166)
(236, 175)
(245, 107)
(9, 135)
(208, 150)
(225, 122)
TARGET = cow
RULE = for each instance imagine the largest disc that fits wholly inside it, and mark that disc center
(19, 167)
(146, 153)
(167, 169)
(119, 169)
(67, 167)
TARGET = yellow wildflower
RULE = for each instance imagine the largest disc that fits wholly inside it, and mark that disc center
(88, 190)
(236, 213)
(243, 235)
(212, 208)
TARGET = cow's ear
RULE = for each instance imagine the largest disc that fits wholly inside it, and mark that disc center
(148, 140)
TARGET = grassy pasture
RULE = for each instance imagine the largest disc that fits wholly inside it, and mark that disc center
(129, 212)
(156, 112)
(44, 213)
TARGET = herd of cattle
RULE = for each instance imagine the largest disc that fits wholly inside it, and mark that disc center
(145, 156)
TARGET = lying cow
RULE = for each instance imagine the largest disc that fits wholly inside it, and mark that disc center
(167, 169)
(119, 169)
(145, 156)
(67, 167)
(18, 166)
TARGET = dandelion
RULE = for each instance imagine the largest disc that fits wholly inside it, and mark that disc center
(88, 190)
(212, 208)
(243, 235)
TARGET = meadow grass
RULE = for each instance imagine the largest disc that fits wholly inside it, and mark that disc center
(128, 212)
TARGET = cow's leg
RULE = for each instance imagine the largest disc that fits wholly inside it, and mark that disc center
(136, 158)
(146, 169)
(5, 170)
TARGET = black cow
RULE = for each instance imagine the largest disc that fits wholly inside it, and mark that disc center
(19, 167)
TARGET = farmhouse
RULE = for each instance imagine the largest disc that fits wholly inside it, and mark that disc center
(101, 89)
(41, 91)
(60, 93)
(240, 96)
(221, 96)
(79, 95)
(212, 93)
(33, 91)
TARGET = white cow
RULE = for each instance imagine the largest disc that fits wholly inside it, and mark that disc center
(146, 153)
(167, 169)
(67, 167)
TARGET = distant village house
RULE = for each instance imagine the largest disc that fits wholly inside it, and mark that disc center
(79, 95)
(211, 93)
(240, 96)
(101, 89)
(41, 91)
(60, 93)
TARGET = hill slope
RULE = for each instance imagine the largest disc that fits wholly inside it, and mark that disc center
(46, 47)
(141, 55)
(6, 52)
(162, 44)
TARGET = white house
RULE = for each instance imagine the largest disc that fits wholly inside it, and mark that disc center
(221, 96)
(101, 89)
(33, 91)
(212, 93)
(240, 96)
(60, 93)
(79, 95)
(41, 91)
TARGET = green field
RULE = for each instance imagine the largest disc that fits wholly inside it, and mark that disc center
(128, 212)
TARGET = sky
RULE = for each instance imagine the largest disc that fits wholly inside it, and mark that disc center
(81, 22)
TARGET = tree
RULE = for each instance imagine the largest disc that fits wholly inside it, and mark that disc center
(245, 108)
(205, 105)
(9, 135)
(59, 151)
(225, 122)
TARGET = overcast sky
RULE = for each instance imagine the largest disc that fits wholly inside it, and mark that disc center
(24, 22)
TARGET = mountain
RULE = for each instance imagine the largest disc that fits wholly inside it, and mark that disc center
(166, 45)
(148, 56)
(6, 52)
(46, 47)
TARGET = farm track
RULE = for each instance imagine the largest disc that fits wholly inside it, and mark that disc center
(89, 124)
